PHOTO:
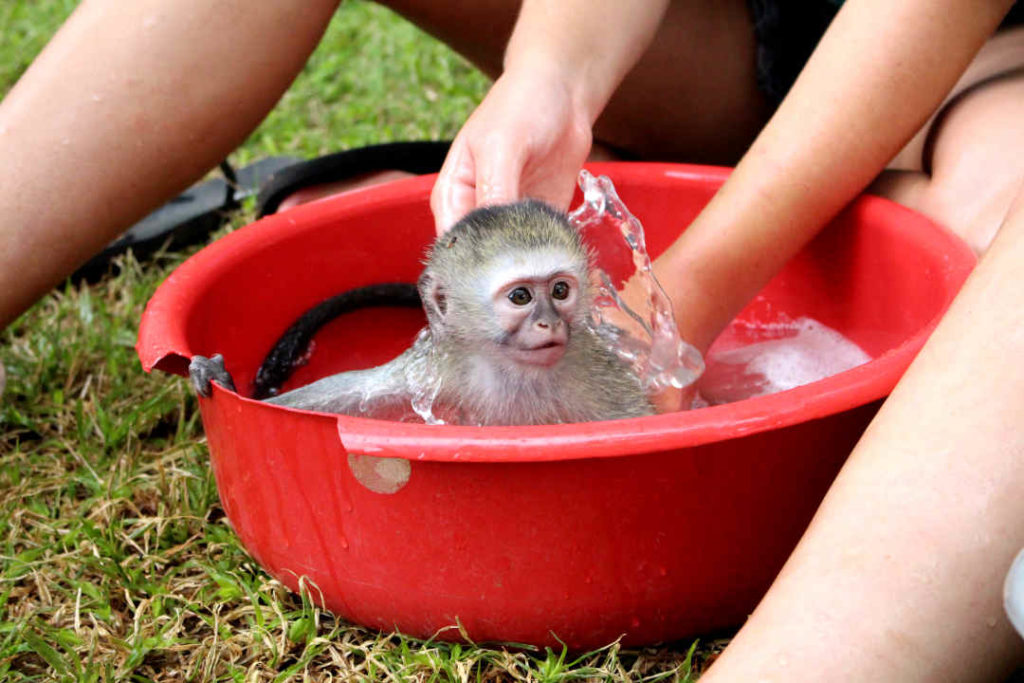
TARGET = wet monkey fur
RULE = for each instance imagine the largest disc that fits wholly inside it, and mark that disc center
(294, 344)
(507, 296)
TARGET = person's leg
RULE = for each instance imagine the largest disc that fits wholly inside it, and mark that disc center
(128, 104)
(315, 193)
(692, 97)
(973, 164)
(1003, 52)
(899, 577)
(977, 163)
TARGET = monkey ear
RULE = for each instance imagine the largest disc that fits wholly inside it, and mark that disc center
(433, 297)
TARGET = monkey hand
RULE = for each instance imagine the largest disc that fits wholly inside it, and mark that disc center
(528, 138)
(203, 370)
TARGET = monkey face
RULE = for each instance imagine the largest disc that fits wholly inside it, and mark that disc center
(536, 314)
(508, 283)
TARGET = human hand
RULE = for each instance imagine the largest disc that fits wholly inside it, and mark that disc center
(528, 138)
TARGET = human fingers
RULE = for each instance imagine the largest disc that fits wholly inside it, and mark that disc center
(454, 193)
(499, 167)
(672, 400)
(556, 190)
(550, 174)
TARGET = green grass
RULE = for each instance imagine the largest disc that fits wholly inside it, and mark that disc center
(116, 561)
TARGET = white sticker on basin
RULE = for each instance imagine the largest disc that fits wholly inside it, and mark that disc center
(380, 475)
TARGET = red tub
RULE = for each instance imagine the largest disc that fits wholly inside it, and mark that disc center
(651, 529)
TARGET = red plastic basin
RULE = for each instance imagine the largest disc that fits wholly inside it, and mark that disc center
(652, 528)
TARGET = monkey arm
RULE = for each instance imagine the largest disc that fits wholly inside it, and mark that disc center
(202, 371)
(876, 76)
(351, 393)
(277, 367)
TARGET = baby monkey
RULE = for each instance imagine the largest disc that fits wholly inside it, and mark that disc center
(507, 297)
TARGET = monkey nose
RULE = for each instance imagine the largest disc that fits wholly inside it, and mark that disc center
(549, 331)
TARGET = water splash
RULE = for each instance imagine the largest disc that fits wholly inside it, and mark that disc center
(420, 387)
(641, 331)
(422, 379)
(633, 315)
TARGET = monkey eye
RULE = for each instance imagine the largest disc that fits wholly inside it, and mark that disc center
(560, 290)
(520, 296)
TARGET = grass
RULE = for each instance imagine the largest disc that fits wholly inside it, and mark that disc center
(116, 560)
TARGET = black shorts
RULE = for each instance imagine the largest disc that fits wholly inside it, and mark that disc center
(788, 31)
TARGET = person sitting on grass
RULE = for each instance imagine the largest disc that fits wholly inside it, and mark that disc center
(898, 577)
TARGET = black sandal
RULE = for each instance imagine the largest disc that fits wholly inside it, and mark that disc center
(191, 216)
(412, 157)
(188, 218)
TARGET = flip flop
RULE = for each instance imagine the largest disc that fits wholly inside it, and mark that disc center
(418, 157)
(191, 216)
(188, 218)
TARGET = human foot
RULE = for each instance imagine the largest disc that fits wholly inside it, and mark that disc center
(318, 192)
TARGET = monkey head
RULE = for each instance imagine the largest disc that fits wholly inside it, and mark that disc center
(509, 281)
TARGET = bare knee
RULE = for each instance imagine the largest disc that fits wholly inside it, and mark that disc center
(977, 163)
(975, 218)
(978, 159)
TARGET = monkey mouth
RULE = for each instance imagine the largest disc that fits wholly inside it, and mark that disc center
(542, 354)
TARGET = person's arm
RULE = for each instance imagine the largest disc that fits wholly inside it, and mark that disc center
(531, 134)
(876, 76)
(126, 105)
(899, 577)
